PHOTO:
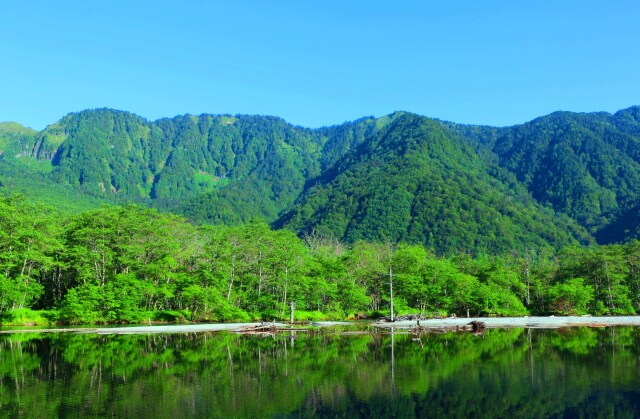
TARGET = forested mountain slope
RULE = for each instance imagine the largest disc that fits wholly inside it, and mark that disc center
(276, 173)
(586, 165)
(20, 173)
(214, 168)
(415, 181)
(399, 177)
(14, 138)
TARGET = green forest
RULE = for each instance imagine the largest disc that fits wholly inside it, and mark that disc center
(131, 264)
(109, 218)
(561, 179)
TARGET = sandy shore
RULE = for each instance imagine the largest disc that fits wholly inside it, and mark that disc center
(490, 322)
(126, 330)
(531, 322)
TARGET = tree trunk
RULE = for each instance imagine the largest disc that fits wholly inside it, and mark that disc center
(527, 274)
(259, 274)
(230, 283)
(391, 291)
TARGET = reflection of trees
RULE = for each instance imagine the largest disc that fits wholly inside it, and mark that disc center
(506, 373)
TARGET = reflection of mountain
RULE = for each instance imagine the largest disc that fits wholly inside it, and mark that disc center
(531, 373)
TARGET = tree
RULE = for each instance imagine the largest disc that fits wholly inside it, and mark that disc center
(408, 263)
(570, 297)
(29, 242)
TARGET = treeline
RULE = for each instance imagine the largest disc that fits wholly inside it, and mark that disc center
(128, 264)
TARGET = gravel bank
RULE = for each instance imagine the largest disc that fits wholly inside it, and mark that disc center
(490, 322)
(127, 330)
(533, 322)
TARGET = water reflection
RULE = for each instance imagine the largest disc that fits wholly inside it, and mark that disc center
(517, 372)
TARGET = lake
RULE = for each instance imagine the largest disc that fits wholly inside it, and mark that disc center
(572, 372)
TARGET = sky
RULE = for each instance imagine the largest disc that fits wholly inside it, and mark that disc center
(318, 63)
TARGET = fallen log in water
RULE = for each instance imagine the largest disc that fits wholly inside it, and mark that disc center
(268, 329)
(262, 328)
(406, 317)
(478, 328)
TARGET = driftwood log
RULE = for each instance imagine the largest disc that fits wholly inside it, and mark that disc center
(475, 326)
(265, 329)
(478, 327)
(410, 317)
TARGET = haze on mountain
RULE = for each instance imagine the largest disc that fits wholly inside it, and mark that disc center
(560, 179)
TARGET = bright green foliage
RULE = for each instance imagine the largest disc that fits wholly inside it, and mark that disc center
(408, 266)
(81, 305)
(366, 269)
(27, 316)
(124, 259)
(131, 264)
(400, 198)
(29, 240)
(499, 274)
(571, 297)
(607, 270)
(631, 252)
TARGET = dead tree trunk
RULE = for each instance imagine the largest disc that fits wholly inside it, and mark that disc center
(391, 291)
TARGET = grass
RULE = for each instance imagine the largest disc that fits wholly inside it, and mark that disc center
(228, 120)
(209, 182)
(28, 317)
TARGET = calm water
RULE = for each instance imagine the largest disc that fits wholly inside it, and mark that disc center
(507, 373)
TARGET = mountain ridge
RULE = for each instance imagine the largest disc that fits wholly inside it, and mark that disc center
(229, 169)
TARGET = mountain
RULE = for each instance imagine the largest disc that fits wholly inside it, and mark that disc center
(214, 168)
(416, 181)
(21, 173)
(559, 179)
(585, 165)
(272, 171)
(14, 137)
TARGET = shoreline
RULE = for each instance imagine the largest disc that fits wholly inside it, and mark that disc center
(130, 330)
(527, 322)
(490, 322)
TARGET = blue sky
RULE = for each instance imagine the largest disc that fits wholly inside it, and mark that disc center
(318, 63)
